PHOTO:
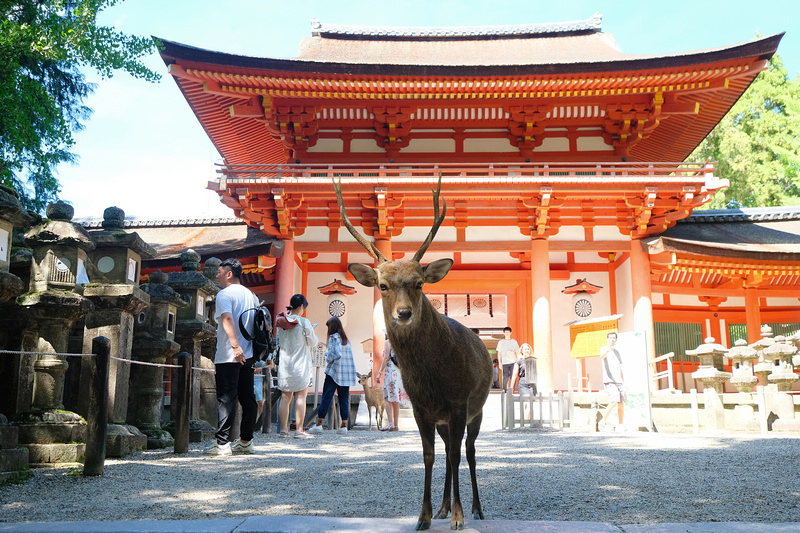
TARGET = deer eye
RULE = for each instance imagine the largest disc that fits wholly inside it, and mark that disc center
(419, 285)
(383, 287)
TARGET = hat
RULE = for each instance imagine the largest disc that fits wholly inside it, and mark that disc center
(297, 301)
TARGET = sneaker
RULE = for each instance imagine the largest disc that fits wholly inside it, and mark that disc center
(218, 449)
(284, 434)
(240, 447)
(302, 435)
(315, 429)
(342, 430)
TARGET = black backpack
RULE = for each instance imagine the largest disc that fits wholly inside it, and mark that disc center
(263, 340)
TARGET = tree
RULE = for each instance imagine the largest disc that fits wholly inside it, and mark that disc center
(43, 46)
(757, 144)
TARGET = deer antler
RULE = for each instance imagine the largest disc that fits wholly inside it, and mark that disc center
(370, 247)
(437, 220)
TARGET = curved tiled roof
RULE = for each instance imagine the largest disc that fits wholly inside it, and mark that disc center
(752, 214)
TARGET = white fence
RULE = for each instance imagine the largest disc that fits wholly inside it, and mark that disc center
(552, 410)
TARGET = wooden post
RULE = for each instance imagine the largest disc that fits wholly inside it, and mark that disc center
(266, 416)
(97, 417)
(181, 400)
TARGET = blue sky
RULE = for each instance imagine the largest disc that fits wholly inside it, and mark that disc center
(144, 151)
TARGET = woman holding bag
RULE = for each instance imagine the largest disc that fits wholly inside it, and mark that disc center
(340, 375)
(296, 338)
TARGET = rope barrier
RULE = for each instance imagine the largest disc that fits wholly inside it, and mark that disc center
(12, 352)
(131, 361)
(135, 362)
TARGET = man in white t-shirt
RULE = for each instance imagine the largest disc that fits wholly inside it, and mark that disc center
(507, 352)
(233, 361)
(611, 361)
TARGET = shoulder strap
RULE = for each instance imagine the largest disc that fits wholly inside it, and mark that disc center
(242, 329)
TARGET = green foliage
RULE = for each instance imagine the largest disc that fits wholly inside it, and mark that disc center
(757, 144)
(43, 44)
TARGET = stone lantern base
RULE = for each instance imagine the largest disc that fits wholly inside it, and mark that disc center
(52, 437)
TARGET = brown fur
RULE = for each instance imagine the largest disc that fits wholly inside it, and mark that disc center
(374, 398)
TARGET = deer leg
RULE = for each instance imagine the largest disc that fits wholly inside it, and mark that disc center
(428, 435)
(456, 431)
(473, 428)
(444, 510)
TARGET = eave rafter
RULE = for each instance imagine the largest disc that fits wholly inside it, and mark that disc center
(714, 278)
(277, 84)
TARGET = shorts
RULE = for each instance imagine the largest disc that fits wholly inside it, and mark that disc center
(616, 392)
(258, 388)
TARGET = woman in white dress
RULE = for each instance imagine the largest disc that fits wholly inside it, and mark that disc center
(297, 340)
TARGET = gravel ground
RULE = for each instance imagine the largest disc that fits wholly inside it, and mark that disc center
(522, 474)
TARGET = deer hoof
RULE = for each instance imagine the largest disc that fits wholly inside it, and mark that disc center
(477, 514)
(423, 525)
(443, 512)
(456, 525)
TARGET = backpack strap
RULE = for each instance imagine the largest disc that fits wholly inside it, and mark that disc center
(242, 329)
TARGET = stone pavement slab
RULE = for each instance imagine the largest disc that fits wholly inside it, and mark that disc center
(317, 524)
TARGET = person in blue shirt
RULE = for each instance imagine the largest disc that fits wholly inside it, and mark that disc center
(340, 375)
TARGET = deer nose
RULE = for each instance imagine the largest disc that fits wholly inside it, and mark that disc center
(404, 314)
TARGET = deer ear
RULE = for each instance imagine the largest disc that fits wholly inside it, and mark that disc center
(364, 274)
(437, 270)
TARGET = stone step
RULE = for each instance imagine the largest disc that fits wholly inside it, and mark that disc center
(13, 459)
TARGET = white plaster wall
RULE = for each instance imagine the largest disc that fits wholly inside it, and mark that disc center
(553, 144)
(494, 233)
(685, 299)
(586, 144)
(564, 365)
(609, 233)
(365, 146)
(419, 233)
(328, 145)
(317, 234)
(359, 318)
(782, 302)
(489, 145)
(569, 233)
(488, 257)
(733, 301)
(430, 146)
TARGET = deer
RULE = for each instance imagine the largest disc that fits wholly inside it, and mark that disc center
(374, 398)
(446, 368)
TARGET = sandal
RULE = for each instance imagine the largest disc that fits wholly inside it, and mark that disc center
(284, 434)
(302, 435)
(385, 428)
(394, 428)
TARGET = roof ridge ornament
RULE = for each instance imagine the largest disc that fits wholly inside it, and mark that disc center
(593, 24)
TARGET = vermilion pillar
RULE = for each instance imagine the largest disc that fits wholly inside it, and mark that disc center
(642, 297)
(284, 277)
(752, 311)
(542, 330)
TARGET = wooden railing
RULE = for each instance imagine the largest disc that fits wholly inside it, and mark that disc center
(405, 171)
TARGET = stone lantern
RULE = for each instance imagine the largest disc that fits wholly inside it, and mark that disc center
(780, 355)
(153, 342)
(194, 323)
(114, 269)
(46, 312)
(742, 357)
(712, 375)
(11, 215)
(763, 367)
(780, 381)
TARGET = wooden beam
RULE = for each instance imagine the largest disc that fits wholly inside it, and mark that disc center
(493, 246)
